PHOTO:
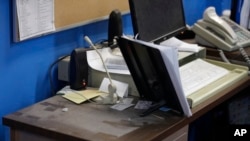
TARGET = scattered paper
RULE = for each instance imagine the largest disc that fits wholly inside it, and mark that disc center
(123, 104)
(142, 104)
(80, 96)
(180, 45)
(94, 61)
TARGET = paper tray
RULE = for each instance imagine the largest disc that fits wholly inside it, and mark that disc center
(237, 72)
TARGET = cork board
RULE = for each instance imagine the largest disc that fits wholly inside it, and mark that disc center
(70, 13)
(67, 14)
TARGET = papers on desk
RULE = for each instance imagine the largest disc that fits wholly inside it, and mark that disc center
(180, 45)
(94, 61)
(34, 17)
(80, 96)
(198, 74)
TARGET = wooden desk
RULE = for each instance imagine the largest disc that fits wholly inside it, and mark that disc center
(46, 120)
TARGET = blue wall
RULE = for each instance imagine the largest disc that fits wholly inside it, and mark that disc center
(194, 8)
(24, 65)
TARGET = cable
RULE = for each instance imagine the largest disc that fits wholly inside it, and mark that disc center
(92, 45)
(244, 54)
(136, 36)
(223, 56)
(246, 57)
(112, 96)
(50, 75)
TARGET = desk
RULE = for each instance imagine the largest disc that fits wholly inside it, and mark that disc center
(45, 121)
(234, 57)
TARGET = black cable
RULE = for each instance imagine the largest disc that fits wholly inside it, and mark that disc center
(101, 41)
(50, 75)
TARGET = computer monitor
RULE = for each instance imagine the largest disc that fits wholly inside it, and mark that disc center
(157, 20)
(150, 75)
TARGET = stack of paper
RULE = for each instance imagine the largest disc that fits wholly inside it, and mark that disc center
(80, 96)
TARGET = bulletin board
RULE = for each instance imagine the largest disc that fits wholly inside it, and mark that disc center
(73, 13)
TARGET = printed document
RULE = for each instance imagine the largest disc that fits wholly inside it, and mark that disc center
(94, 61)
(198, 74)
(35, 17)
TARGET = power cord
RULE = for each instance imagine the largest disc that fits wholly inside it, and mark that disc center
(112, 97)
(223, 56)
(243, 53)
(246, 57)
(53, 91)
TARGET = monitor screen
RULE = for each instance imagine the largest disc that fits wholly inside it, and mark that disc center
(150, 74)
(157, 20)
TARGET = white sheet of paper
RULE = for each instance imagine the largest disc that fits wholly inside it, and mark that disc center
(35, 17)
(142, 104)
(121, 106)
(180, 45)
(121, 87)
(94, 61)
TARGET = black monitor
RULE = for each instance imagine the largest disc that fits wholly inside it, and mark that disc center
(150, 75)
(235, 8)
(157, 20)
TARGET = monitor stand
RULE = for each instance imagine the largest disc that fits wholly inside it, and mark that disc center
(153, 108)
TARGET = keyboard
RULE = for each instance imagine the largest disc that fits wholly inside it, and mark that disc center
(199, 73)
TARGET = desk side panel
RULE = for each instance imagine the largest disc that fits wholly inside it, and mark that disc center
(20, 135)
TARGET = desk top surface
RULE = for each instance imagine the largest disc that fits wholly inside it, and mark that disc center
(89, 121)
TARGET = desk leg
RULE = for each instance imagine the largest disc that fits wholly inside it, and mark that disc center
(12, 134)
